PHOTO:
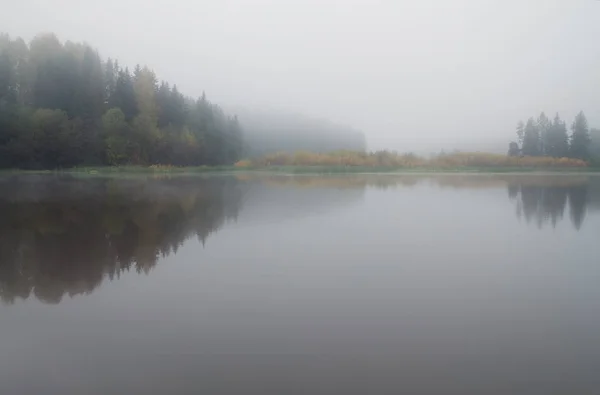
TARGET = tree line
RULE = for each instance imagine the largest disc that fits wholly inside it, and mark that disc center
(61, 105)
(545, 137)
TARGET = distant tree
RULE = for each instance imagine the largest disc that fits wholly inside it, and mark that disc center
(7, 92)
(543, 124)
(513, 149)
(595, 143)
(124, 95)
(144, 86)
(91, 86)
(163, 96)
(531, 139)
(57, 75)
(56, 140)
(520, 132)
(111, 71)
(24, 72)
(61, 105)
(178, 107)
(557, 139)
(115, 132)
(580, 138)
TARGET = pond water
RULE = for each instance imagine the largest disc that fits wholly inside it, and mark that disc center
(274, 284)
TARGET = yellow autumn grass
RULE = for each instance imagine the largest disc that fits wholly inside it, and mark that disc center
(397, 160)
(243, 163)
(338, 158)
(161, 167)
(480, 159)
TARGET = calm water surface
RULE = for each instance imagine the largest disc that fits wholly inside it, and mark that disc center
(255, 284)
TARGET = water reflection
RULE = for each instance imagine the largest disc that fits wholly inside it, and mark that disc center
(65, 235)
(333, 284)
(539, 199)
(546, 204)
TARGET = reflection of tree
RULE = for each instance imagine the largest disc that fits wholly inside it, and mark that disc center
(577, 203)
(539, 198)
(64, 235)
(544, 204)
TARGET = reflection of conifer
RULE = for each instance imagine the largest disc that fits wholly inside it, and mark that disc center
(64, 236)
(544, 204)
(577, 204)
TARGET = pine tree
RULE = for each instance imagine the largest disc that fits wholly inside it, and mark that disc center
(144, 86)
(124, 95)
(91, 86)
(595, 143)
(60, 105)
(544, 125)
(111, 71)
(163, 95)
(520, 132)
(580, 139)
(531, 139)
(558, 139)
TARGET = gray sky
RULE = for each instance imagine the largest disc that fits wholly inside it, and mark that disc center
(413, 75)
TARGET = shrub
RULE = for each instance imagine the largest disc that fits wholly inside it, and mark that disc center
(391, 159)
(243, 163)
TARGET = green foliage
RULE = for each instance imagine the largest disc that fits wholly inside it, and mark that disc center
(62, 106)
(115, 131)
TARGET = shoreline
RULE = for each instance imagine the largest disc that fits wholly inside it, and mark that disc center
(306, 170)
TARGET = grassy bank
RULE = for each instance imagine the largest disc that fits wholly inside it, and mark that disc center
(133, 170)
(359, 162)
(128, 170)
(386, 161)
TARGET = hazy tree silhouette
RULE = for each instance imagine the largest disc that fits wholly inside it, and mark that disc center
(61, 105)
(550, 138)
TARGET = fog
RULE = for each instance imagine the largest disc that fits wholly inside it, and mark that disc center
(413, 75)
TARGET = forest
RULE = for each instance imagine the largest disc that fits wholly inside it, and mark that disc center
(545, 137)
(61, 105)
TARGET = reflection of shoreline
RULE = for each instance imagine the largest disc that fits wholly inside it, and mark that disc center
(64, 236)
(539, 197)
(383, 181)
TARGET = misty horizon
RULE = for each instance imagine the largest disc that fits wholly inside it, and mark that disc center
(412, 76)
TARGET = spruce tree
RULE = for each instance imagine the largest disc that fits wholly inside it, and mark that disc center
(580, 139)
(531, 139)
